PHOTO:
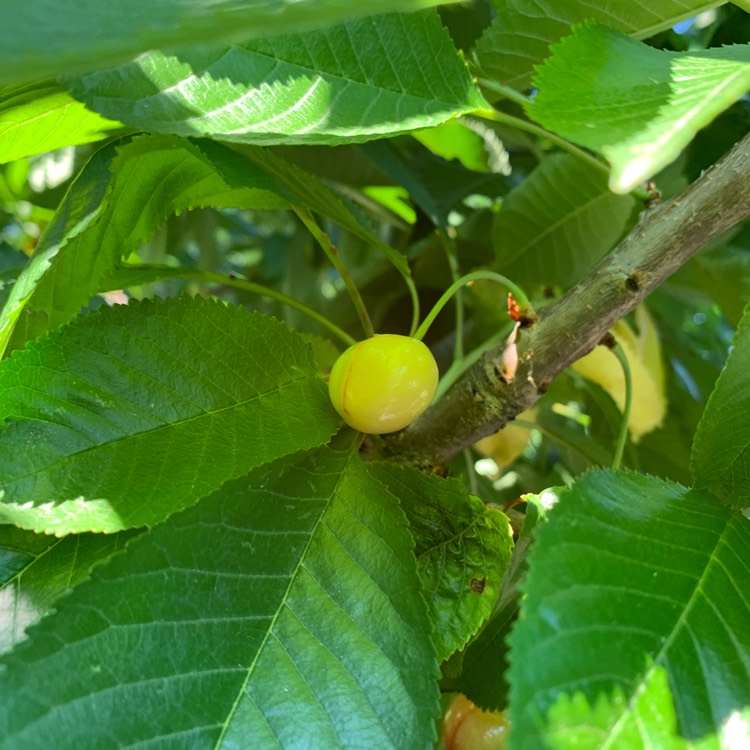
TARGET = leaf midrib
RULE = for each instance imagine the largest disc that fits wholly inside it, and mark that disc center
(659, 657)
(154, 430)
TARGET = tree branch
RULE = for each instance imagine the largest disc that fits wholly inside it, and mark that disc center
(665, 238)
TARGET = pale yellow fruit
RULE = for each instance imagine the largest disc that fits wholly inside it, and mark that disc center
(383, 383)
(643, 352)
(467, 727)
(506, 445)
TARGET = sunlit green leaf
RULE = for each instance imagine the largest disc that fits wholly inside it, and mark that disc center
(558, 222)
(283, 611)
(42, 116)
(631, 575)
(637, 105)
(651, 718)
(462, 547)
(523, 30)
(136, 412)
(378, 76)
(720, 460)
(56, 37)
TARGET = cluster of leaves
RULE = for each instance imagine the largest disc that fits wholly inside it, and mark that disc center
(194, 553)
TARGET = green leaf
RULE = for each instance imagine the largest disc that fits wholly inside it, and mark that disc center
(437, 186)
(36, 570)
(97, 34)
(42, 116)
(136, 412)
(631, 575)
(484, 664)
(281, 612)
(462, 547)
(558, 223)
(637, 105)
(378, 76)
(307, 190)
(654, 723)
(724, 272)
(523, 30)
(720, 460)
(122, 196)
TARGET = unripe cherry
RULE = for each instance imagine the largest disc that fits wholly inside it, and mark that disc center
(383, 383)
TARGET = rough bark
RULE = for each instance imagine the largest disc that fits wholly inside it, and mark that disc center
(666, 237)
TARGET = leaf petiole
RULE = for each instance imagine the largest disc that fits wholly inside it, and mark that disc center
(622, 438)
(518, 294)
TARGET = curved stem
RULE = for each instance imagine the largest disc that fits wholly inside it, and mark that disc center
(333, 255)
(249, 286)
(623, 436)
(530, 127)
(517, 292)
(506, 91)
(449, 246)
(459, 367)
(414, 295)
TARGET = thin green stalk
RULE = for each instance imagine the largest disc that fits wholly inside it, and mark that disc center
(333, 255)
(622, 438)
(530, 127)
(263, 291)
(459, 367)
(517, 292)
(449, 245)
(473, 486)
(506, 91)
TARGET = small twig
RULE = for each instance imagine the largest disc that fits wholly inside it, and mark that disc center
(667, 236)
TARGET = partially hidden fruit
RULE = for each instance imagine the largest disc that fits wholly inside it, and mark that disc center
(508, 444)
(383, 383)
(643, 352)
(467, 727)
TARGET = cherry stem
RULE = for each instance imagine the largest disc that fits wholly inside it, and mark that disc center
(622, 438)
(515, 290)
(451, 254)
(249, 286)
(333, 255)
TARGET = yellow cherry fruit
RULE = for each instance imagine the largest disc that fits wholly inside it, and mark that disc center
(383, 383)
(466, 727)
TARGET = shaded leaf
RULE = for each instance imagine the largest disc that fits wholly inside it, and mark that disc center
(307, 190)
(123, 194)
(724, 272)
(558, 222)
(437, 186)
(637, 105)
(378, 76)
(484, 664)
(136, 412)
(42, 116)
(631, 575)
(283, 611)
(36, 570)
(720, 460)
(462, 546)
(523, 30)
(100, 34)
